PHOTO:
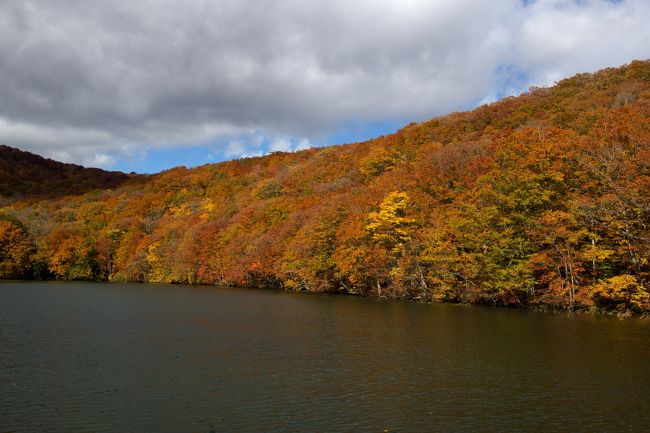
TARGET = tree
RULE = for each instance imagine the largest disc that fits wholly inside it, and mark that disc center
(389, 227)
(16, 250)
(622, 292)
(379, 160)
(390, 231)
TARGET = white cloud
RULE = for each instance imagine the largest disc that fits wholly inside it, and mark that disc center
(235, 148)
(287, 144)
(303, 144)
(93, 82)
(101, 160)
(556, 39)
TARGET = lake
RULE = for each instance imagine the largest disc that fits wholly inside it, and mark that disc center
(95, 357)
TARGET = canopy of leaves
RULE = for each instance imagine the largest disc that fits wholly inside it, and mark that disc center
(542, 200)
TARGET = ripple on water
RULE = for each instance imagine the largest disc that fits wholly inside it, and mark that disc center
(113, 358)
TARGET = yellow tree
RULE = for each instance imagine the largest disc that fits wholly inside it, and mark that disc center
(623, 292)
(389, 228)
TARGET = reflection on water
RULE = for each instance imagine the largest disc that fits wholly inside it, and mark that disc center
(81, 357)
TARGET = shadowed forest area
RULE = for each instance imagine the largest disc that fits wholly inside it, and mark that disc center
(540, 200)
(24, 175)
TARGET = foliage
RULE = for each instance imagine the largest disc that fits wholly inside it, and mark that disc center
(16, 250)
(542, 200)
(379, 160)
(389, 226)
(621, 291)
(25, 174)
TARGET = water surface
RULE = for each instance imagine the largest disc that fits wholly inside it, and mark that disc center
(91, 357)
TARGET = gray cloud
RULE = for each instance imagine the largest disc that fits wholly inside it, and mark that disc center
(91, 81)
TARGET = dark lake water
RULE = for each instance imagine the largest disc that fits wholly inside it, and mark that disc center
(82, 357)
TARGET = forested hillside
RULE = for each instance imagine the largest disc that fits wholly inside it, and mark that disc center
(541, 200)
(25, 175)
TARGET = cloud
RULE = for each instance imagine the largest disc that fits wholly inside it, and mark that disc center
(94, 82)
(287, 144)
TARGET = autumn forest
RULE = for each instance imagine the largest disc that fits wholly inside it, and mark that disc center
(540, 201)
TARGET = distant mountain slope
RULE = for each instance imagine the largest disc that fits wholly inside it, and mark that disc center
(541, 200)
(25, 174)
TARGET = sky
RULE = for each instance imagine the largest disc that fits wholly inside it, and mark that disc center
(142, 85)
